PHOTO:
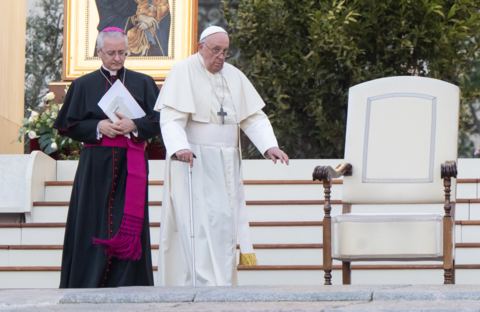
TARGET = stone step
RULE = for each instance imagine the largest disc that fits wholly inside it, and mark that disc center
(253, 169)
(258, 210)
(260, 189)
(45, 233)
(16, 278)
(274, 210)
(50, 255)
(254, 190)
(57, 212)
(314, 276)
(267, 254)
(261, 232)
(49, 276)
(258, 169)
(340, 298)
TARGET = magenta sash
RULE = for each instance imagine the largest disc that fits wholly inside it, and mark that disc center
(126, 243)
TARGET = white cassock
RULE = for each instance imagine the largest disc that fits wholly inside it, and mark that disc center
(189, 102)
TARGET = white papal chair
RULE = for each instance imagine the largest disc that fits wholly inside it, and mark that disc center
(400, 148)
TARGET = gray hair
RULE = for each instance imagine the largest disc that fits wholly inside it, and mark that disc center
(113, 34)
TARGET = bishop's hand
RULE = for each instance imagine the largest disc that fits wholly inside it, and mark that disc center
(125, 124)
(274, 153)
(111, 130)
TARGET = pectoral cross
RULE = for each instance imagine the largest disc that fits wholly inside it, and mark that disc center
(222, 114)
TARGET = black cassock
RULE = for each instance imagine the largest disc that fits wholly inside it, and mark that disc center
(98, 193)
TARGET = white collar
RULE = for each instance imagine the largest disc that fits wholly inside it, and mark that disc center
(112, 72)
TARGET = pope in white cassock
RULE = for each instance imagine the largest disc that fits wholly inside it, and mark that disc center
(204, 103)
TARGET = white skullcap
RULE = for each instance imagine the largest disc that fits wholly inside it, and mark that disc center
(210, 30)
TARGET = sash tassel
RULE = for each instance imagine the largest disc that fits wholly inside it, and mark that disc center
(126, 243)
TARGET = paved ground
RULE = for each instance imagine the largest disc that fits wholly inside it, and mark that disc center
(265, 299)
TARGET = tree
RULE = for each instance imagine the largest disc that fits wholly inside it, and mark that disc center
(43, 50)
(304, 55)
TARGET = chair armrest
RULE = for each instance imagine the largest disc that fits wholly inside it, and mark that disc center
(322, 173)
(449, 169)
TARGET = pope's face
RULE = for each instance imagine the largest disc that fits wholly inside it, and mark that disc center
(214, 50)
(113, 53)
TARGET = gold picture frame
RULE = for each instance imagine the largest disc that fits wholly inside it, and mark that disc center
(81, 19)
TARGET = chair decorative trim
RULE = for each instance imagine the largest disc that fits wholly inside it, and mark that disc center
(427, 99)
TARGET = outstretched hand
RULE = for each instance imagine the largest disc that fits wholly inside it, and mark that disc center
(274, 153)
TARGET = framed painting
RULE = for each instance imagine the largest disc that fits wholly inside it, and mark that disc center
(160, 32)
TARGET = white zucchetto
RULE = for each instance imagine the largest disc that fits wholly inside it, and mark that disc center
(210, 30)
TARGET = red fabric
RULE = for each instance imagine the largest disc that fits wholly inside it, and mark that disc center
(126, 243)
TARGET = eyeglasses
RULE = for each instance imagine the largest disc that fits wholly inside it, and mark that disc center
(120, 53)
(217, 51)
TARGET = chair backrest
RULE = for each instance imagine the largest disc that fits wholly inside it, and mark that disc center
(399, 132)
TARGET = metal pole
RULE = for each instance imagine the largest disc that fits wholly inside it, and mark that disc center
(192, 229)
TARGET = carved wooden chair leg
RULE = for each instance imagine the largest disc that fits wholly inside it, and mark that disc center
(453, 273)
(327, 248)
(346, 273)
(328, 276)
(448, 171)
(325, 174)
(327, 233)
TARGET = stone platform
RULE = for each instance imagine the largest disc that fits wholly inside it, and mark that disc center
(320, 298)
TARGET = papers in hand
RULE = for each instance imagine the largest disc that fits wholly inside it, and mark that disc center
(119, 100)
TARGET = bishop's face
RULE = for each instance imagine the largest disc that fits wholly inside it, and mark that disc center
(113, 53)
(214, 50)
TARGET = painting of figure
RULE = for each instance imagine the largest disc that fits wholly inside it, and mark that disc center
(159, 32)
(146, 22)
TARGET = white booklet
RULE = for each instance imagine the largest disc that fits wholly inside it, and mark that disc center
(119, 100)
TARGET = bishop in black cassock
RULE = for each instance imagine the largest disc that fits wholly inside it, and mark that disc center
(97, 203)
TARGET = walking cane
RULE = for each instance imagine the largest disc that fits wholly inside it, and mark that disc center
(192, 219)
(192, 230)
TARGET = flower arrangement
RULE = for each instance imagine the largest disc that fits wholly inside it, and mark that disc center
(39, 126)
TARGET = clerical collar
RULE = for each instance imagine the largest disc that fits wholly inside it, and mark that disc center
(108, 74)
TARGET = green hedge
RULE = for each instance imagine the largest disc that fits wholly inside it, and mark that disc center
(304, 55)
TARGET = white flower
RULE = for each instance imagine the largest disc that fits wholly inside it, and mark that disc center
(33, 116)
(54, 146)
(53, 115)
(32, 134)
(49, 96)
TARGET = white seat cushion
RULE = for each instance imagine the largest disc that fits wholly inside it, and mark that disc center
(387, 236)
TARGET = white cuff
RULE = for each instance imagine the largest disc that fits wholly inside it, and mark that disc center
(99, 135)
(174, 137)
(261, 134)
